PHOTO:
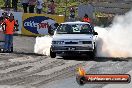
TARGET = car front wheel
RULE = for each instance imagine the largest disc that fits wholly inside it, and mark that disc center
(11, 49)
(93, 54)
(52, 54)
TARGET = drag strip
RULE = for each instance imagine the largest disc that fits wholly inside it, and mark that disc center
(24, 68)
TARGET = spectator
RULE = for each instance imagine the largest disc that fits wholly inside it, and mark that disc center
(51, 7)
(7, 3)
(86, 19)
(32, 4)
(3, 17)
(9, 30)
(40, 4)
(72, 13)
(25, 5)
(14, 4)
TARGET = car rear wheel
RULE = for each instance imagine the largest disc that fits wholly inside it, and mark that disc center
(52, 54)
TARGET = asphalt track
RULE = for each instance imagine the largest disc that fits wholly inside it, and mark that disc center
(24, 69)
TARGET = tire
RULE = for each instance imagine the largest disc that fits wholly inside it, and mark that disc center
(0, 50)
(66, 57)
(93, 54)
(11, 49)
(52, 54)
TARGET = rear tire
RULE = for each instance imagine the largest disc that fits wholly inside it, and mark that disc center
(52, 54)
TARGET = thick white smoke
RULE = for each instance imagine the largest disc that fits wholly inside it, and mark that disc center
(114, 41)
(42, 45)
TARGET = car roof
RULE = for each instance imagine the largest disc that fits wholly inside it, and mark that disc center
(76, 22)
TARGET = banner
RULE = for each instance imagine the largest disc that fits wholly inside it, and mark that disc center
(17, 16)
(38, 24)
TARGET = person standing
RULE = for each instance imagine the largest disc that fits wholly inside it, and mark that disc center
(72, 14)
(86, 19)
(25, 5)
(4, 16)
(9, 23)
(51, 7)
(7, 5)
(32, 4)
(14, 5)
(40, 4)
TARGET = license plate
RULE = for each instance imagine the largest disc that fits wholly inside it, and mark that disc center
(71, 49)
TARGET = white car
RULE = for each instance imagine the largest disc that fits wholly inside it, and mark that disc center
(74, 38)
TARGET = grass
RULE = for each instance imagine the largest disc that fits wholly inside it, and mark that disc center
(1, 3)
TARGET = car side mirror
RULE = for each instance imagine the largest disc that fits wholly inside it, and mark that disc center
(52, 32)
(95, 33)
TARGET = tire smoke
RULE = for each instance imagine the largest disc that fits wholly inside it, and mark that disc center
(116, 40)
(42, 45)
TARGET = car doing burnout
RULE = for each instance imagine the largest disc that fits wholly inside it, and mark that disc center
(74, 38)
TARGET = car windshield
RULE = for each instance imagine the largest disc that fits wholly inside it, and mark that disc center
(74, 29)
